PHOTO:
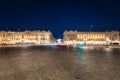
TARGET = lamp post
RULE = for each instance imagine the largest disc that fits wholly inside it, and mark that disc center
(74, 43)
(68, 41)
(107, 41)
(85, 39)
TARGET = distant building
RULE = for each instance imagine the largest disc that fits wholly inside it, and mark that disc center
(26, 37)
(90, 38)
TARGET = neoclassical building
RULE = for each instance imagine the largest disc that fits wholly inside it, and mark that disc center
(90, 38)
(26, 37)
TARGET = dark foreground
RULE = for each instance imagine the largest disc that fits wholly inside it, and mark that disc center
(36, 63)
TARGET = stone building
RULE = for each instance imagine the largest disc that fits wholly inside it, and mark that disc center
(26, 37)
(113, 36)
(90, 38)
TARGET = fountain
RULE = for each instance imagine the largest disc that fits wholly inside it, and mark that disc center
(80, 46)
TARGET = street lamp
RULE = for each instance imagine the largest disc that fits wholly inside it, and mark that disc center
(85, 39)
(107, 40)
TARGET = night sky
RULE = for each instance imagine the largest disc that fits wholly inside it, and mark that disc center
(60, 15)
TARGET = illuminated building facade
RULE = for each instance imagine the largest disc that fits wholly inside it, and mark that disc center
(26, 37)
(90, 38)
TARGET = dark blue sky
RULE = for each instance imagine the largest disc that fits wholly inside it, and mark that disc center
(60, 15)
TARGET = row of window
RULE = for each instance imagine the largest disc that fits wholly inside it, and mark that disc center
(25, 39)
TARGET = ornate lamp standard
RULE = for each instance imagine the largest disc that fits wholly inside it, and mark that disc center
(107, 41)
(74, 43)
(85, 39)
